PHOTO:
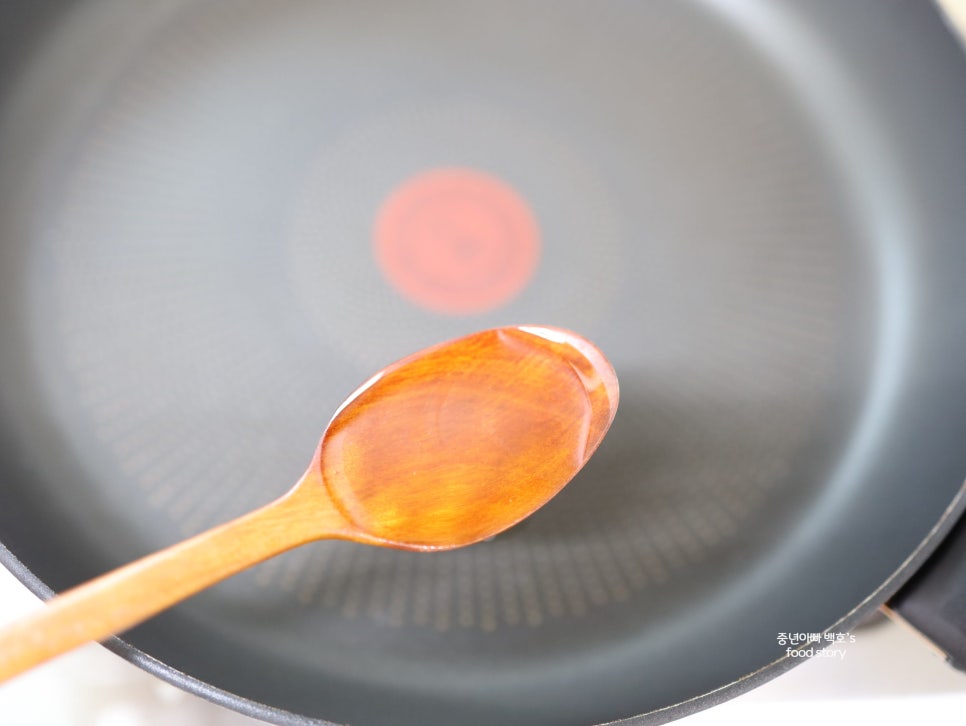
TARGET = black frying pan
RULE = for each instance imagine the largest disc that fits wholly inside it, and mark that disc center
(755, 209)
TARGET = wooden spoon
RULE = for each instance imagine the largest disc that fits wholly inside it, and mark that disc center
(442, 449)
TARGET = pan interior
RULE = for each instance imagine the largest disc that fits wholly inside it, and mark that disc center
(189, 215)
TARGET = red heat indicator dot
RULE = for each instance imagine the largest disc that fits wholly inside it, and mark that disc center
(456, 241)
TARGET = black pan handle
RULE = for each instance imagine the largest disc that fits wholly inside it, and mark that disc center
(934, 599)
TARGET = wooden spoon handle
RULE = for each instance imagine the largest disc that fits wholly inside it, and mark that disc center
(125, 597)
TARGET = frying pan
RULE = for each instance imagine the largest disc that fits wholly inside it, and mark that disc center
(755, 209)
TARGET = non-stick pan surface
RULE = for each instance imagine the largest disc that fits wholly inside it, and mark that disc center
(217, 218)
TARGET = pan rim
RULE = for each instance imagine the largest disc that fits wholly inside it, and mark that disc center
(283, 717)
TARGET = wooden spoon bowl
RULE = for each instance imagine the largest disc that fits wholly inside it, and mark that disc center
(442, 449)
